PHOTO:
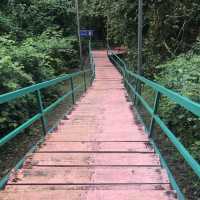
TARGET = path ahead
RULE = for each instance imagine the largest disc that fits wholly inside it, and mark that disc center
(98, 153)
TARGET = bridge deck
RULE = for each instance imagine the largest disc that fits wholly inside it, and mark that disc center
(99, 152)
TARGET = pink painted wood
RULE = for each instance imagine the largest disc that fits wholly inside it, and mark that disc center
(100, 152)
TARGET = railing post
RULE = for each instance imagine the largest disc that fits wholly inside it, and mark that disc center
(72, 89)
(125, 72)
(155, 110)
(41, 110)
(85, 84)
(124, 79)
(94, 66)
(93, 75)
(93, 71)
(136, 89)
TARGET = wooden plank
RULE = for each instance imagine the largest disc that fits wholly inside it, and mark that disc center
(87, 159)
(89, 175)
(90, 187)
(89, 195)
(96, 146)
(67, 135)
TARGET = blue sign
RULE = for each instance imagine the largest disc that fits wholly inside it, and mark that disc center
(86, 33)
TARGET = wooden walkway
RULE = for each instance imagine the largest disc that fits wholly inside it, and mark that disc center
(99, 152)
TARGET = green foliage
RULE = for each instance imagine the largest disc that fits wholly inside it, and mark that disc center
(12, 72)
(38, 50)
(5, 23)
(13, 76)
(183, 76)
(195, 148)
(37, 43)
(39, 58)
(47, 56)
(42, 15)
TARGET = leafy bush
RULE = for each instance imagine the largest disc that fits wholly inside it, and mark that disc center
(37, 43)
(5, 23)
(42, 14)
(183, 76)
(12, 72)
(39, 58)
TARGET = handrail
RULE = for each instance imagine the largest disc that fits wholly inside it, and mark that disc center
(37, 90)
(4, 98)
(160, 91)
(181, 100)
(92, 63)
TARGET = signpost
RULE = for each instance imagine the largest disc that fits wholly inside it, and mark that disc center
(86, 33)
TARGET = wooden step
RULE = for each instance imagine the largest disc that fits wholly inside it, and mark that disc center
(68, 136)
(139, 147)
(90, 175)
(115, 187)
(93, 159)
(89, 195)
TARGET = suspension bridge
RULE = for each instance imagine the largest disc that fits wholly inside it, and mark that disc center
(99, 150)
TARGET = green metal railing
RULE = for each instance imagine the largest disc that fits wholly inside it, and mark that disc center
(132, 82)
(88, 76)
